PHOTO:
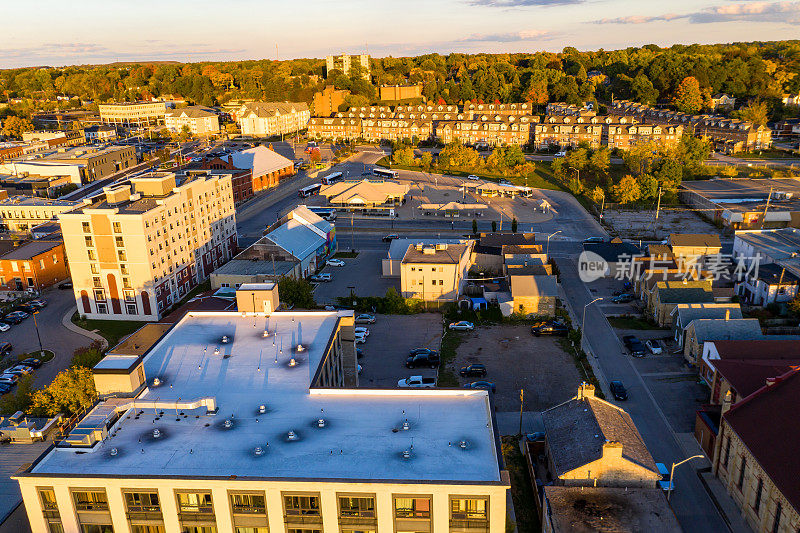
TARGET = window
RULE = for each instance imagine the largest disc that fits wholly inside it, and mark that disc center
(301, 505)
(727, 453)
(86, 227)
(88, 241)
(356, 507)
(130, 296)
(122, 255)
(126, 282)
(759, 489)
(433, 282)
(142, 502)
(740, 483)
(95, 270)
(90, 500)
(195, 502)
(119, 242)
(238, 529)
(117, 227)
(55, 259)
(136, 528)
(92, 255)
(97, 283)
(123, 268)
(198, 529)
(102, 309)
(41, 264)
(468, 509)
(441, 282)
(776, 524)
(412, 507)
(48, 498)
(97, 528)
(248, 503)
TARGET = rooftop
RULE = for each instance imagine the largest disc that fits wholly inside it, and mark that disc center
(261, 160)
(778, 244)
(31, 249)
(449, 254)
(526, 285)
(361, 439)
(255, 267)
(708, 329)
(766, 348)
(684, 292)
(695, 240)
(750, 194)
(613, 252)
(747, 376)
(36, 201)
(689, 312)
(606, 509)
(774, 274)
(399, 247)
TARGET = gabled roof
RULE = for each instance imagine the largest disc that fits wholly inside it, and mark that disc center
(680, 292)
(577, 430)
(261, 160)
(191, 112)
(765, 348)
(695, 240)
(297, 237)
(695, 311)
(773, 444)
(526, 285)
(270, 109)
(363, 191)
(31, 249)
(711, 329)
(747, 376)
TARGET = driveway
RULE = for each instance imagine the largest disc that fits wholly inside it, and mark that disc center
(363, 273)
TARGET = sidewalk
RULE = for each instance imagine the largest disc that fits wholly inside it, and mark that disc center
(66, 321)
(723, 502)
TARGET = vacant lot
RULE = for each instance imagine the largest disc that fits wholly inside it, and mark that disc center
(363, 273)
(643, 224)
(516, 360)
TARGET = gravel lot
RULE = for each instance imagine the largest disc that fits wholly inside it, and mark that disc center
(362, 272)
(516, 360)
(387, 347)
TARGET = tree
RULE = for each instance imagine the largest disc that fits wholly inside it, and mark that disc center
(16, 126)
(88, 356)
(494, 226)
(643, 90)
(670, 174)
(474, 227)
(648, 186)
(426, 160)
(597, 195)
(403, 156)
(513, 225)
(315, 156)
(296, 292)
(536, 92)
(688, 98)
(577, 158)
(755, 112)
(599, 162)
(70, 392)
(20, 400)
(627, 190)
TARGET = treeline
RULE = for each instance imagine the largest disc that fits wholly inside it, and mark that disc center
(757, 71)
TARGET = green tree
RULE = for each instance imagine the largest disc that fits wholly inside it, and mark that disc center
(494, 226)
(688, 98)
(513, 225)
(296, 292)
(643, 90)
(474, 227)
(15, 126)
(70, 392)
(648, 186)
(599, 162)
(20, 399)
(426, 160)
(755, 112)
(577, 159)
(403, 156)
(597, 195)
(536, 91)
(670, 174)
(627, 190)
(88, 356)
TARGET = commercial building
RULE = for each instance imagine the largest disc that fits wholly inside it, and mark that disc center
(365, 194)
(771, 283)
(390, 265)
(21, 213)
(265, 119)
(81, 164)
(267, 167)
(396, 93)
(327, 101)
(200, 121)
(34, 265)
(100, 133)
(344, 63)
(133, 114)
(779, 246)
(223, 426)
(144, 244)
(435, 272)
(532, 294)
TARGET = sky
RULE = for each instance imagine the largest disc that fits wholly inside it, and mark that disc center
(57, 33)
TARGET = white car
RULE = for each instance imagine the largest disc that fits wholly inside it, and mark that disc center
(4, 326)
(362, 331)
(361, 338)
(462, 326)
(560, 154)
(473, 177)
(321, 278)
(334, 262)
(654, 346)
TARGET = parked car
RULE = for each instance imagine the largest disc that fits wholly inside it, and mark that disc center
(485, 385)
(473, 371)
(39, 303)
(423, 351)
(634, 345)
(5, 348)
(473, 177)
(361, 338)
(423, 360)
(390, 237)
(5, 387)
(365, 319)
(654, 345)
(9, 377)
(562, 153)
(22, 369)
(25, 308)
(64, 286)
(15, 317)
(31, 362)
(663, 483)
(359, 353)
(417, 382)
(462, 326)
(321, 278)
(549, 328)
(623, 298)
(4, 326)
(618, 390)
(360, 330)
(591, 240)
(335, 262)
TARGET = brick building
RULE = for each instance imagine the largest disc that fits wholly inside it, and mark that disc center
(33, 265)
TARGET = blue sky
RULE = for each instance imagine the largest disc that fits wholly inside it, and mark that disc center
(48, 32)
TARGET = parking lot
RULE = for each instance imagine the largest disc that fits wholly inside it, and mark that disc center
(387, 347)
(362, 272)
(516, 360)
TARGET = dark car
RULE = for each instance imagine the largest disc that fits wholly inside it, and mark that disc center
(423, 351)
(359, 353)
(634, 345)
(35, 363)
(390, 237)
(485, 385)
(618, 390)
(473, 371)
(39, 303)
(550, 328)
(5, 348)
(5, 387)
(623, 298)
(591, 240)
(64, 286)
(26, 308)
(15, 317)
(423, 360)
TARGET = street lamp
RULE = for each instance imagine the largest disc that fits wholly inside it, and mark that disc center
(672, 471)
(583, 320)
(547, 250)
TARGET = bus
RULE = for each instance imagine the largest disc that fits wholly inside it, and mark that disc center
(328, 213)
(385, 173)
(331, 178)
(311, 190)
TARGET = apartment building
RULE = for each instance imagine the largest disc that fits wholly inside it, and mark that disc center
(34, 265)
(344, 63)
(625, 136)
(21, 213)
(327, 101)
(133, 114)
(264, 119)
(435, 272)
(82, 164)
(563, 108)
(393, 129)
(513, 109)
(494, 130)
(400, 92)
(223, 426)
(201, 121)
(144, 244)
(100, 133)
(567, 131)
(335, 128)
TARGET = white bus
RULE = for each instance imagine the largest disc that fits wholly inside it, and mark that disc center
(311, 190)
(385, 173)
(331, 178)
(328, 213)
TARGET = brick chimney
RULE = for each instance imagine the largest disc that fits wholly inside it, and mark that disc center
(585, 390)
(230, 160)
(612, 450)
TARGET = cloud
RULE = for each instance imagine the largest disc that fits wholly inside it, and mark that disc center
(513, 37)
(524, 3)
(785, 12)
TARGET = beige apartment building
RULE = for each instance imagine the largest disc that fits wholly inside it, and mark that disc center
(494, 130)
(142, 245)
(82, 164)
(334, 128)
(133, 114)
(200, 121)
(400, 92)
(344, 63)
(21, 213)
(264, 119)
(251, 421)
(435, 272)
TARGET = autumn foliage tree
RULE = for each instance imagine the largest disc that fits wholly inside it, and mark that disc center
(688, 98)
(70, 392)
(627, 190)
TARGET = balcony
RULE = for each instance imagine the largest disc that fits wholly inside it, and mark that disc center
(294, 517)
(469, 524)
(358, 521)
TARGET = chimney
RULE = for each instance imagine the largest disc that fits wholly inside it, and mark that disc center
(230, 159)
(612, 450)
(585, 390)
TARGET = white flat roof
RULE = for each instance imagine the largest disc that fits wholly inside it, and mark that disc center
(363, 437)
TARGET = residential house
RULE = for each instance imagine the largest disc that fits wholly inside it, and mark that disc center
(533, 294)
(768, 284)
(35, 265)
(689, 248)
(265, 119)
(335, 128)
(199, 121)
(701, 330)
(769, 246)
(390, 265)
(684, 314)
(721, 101)
(492, 130)
(668, 294)
(792, 100)
(590, 442)
(435, 272)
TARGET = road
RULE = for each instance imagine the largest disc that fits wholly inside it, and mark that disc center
(692, 505)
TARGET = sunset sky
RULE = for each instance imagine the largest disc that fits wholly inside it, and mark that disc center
(49, 32)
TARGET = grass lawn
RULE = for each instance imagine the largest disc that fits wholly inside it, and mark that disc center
(522, 492)
(112, 330)
(627, 322)
(48, 356)
(450, 342)
(767, 154)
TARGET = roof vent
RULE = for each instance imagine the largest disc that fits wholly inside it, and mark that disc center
(224, 339)
(406, 454)
(262, 409)
(156, 433)
(228, 424)
(216, 350)
(292, 435)
(321, 423)
(300, 348)
(259, 451)
(156, 382)
(406, 426)
(292, 362)
(462, 444)
(266, 334)
(113, 452)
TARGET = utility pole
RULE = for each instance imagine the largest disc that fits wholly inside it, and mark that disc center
(521, 401)
(352, 234)
(764, 218)
(658, 205)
